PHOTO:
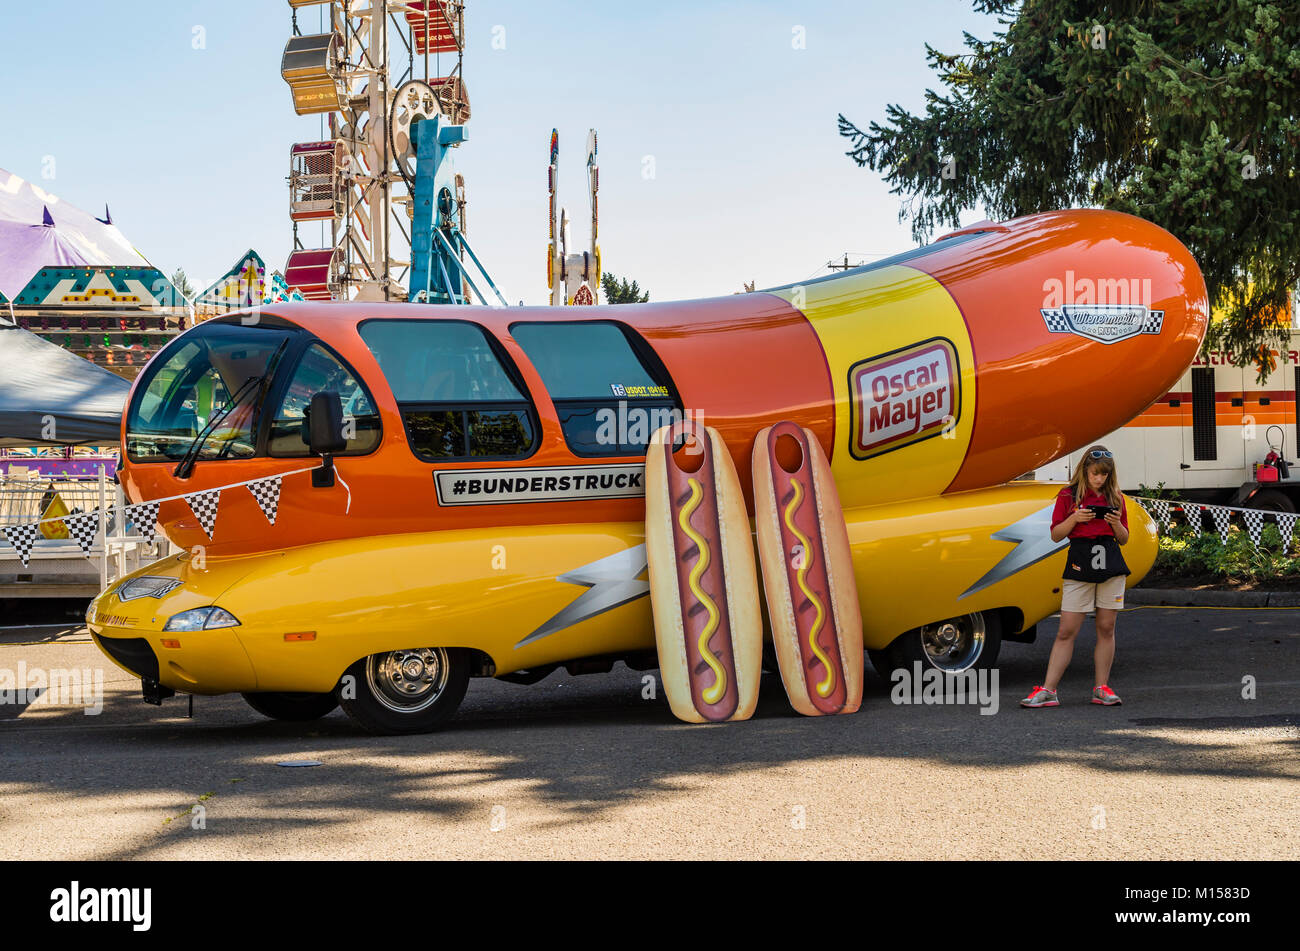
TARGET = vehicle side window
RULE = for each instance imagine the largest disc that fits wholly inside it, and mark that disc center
(458, 396)
(319, 371)
(609, 398)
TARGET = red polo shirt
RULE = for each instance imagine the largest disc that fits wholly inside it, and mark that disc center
(1090, 529)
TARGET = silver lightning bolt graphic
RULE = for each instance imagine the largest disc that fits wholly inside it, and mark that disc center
(1033, 538)
(614, 582)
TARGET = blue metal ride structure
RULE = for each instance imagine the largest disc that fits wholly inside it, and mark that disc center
(439, 273)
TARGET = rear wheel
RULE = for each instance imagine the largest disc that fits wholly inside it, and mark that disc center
(294, 707)
(405, 691)
(1271, 500)
(967, 642)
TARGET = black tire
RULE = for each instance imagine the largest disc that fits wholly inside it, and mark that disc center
(1271, 500)
(294, 707)
(976, 641)
(408, 691)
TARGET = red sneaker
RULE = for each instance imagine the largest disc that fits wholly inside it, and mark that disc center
(1105, 696)
(1041, 697)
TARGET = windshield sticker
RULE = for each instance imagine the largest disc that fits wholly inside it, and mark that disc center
(640, 392)
(539, 484)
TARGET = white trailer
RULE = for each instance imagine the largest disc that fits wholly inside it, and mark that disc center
(1205, 436)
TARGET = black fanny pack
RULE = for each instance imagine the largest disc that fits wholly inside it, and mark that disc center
(1094, 559)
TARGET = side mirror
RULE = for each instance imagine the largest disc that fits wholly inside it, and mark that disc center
(325, 435)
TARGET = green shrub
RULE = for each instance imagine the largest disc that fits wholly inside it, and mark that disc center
(1184, 552)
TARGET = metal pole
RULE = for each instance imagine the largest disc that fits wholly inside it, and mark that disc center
(103, 529)
(464, 243)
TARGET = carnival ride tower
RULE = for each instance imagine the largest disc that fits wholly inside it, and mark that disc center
(572, 278)
(361, 72)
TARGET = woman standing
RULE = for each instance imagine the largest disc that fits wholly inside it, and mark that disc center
(1092, 512)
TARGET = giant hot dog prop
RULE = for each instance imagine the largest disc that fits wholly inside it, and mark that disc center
(812, 597)
(703, 586)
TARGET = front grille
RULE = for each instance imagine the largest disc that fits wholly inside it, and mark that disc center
(133, 653)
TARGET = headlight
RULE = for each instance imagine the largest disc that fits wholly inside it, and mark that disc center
(146, 586)
(201, 619)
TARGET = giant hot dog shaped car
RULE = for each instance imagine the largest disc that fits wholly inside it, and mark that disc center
(488, 515)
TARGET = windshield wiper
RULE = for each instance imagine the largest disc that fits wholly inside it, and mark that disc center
(186, 465)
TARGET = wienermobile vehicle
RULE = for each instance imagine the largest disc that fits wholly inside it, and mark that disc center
(483, 511)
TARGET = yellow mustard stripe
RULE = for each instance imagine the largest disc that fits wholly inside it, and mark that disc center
(828, 684)
(714, 693)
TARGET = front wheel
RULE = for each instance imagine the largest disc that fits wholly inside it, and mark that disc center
(405, 691)
(967, 642)
(294, 707)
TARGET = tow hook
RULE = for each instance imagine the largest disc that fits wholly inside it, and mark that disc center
(154, 692)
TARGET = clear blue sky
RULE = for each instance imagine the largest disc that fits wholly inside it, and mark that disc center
(189, 147)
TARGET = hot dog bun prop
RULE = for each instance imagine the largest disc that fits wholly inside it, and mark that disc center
(703, 584)
(812, 597)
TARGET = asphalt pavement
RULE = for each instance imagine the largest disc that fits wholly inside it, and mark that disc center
(591, 767)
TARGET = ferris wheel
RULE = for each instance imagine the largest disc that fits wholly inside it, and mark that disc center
(376, 70)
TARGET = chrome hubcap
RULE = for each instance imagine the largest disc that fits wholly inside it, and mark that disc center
(408, 681)
(954, 644)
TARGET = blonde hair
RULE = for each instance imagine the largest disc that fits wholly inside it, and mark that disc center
(1109, 489)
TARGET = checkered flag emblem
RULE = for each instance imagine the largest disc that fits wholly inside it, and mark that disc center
(1254, 519)
(145, 519)
(1285, 526)
(1153, 321)
(22, 537)
(1221, 517)
(267, 494)
(84, 527)
(1056, 321)
(204, 506)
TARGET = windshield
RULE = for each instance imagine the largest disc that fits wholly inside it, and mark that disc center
(179, 395)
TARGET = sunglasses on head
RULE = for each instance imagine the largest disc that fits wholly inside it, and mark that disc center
(1100, 454)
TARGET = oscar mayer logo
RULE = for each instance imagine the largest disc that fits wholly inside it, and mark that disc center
(903, 396)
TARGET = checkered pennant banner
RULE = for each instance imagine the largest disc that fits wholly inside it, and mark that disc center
(1161, 512)
(267, 494)
(1221, 516)
(1254, 520)
(144, 517)
(22, 537)
(1285, 526)
(84, 527)
(204, 506)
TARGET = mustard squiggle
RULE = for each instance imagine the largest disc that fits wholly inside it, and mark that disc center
(827, 685)
(718, 689)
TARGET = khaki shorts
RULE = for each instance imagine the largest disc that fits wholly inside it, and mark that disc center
(1082, 597)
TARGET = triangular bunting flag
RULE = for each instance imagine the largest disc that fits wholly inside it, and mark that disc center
(145, 518)
(22, 537)
(1254, 520)
(1285, 526)
(267, 494)
(204, 506)
(1162, 512)
(84, 527)
(1221, 516)
(1195, 517)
